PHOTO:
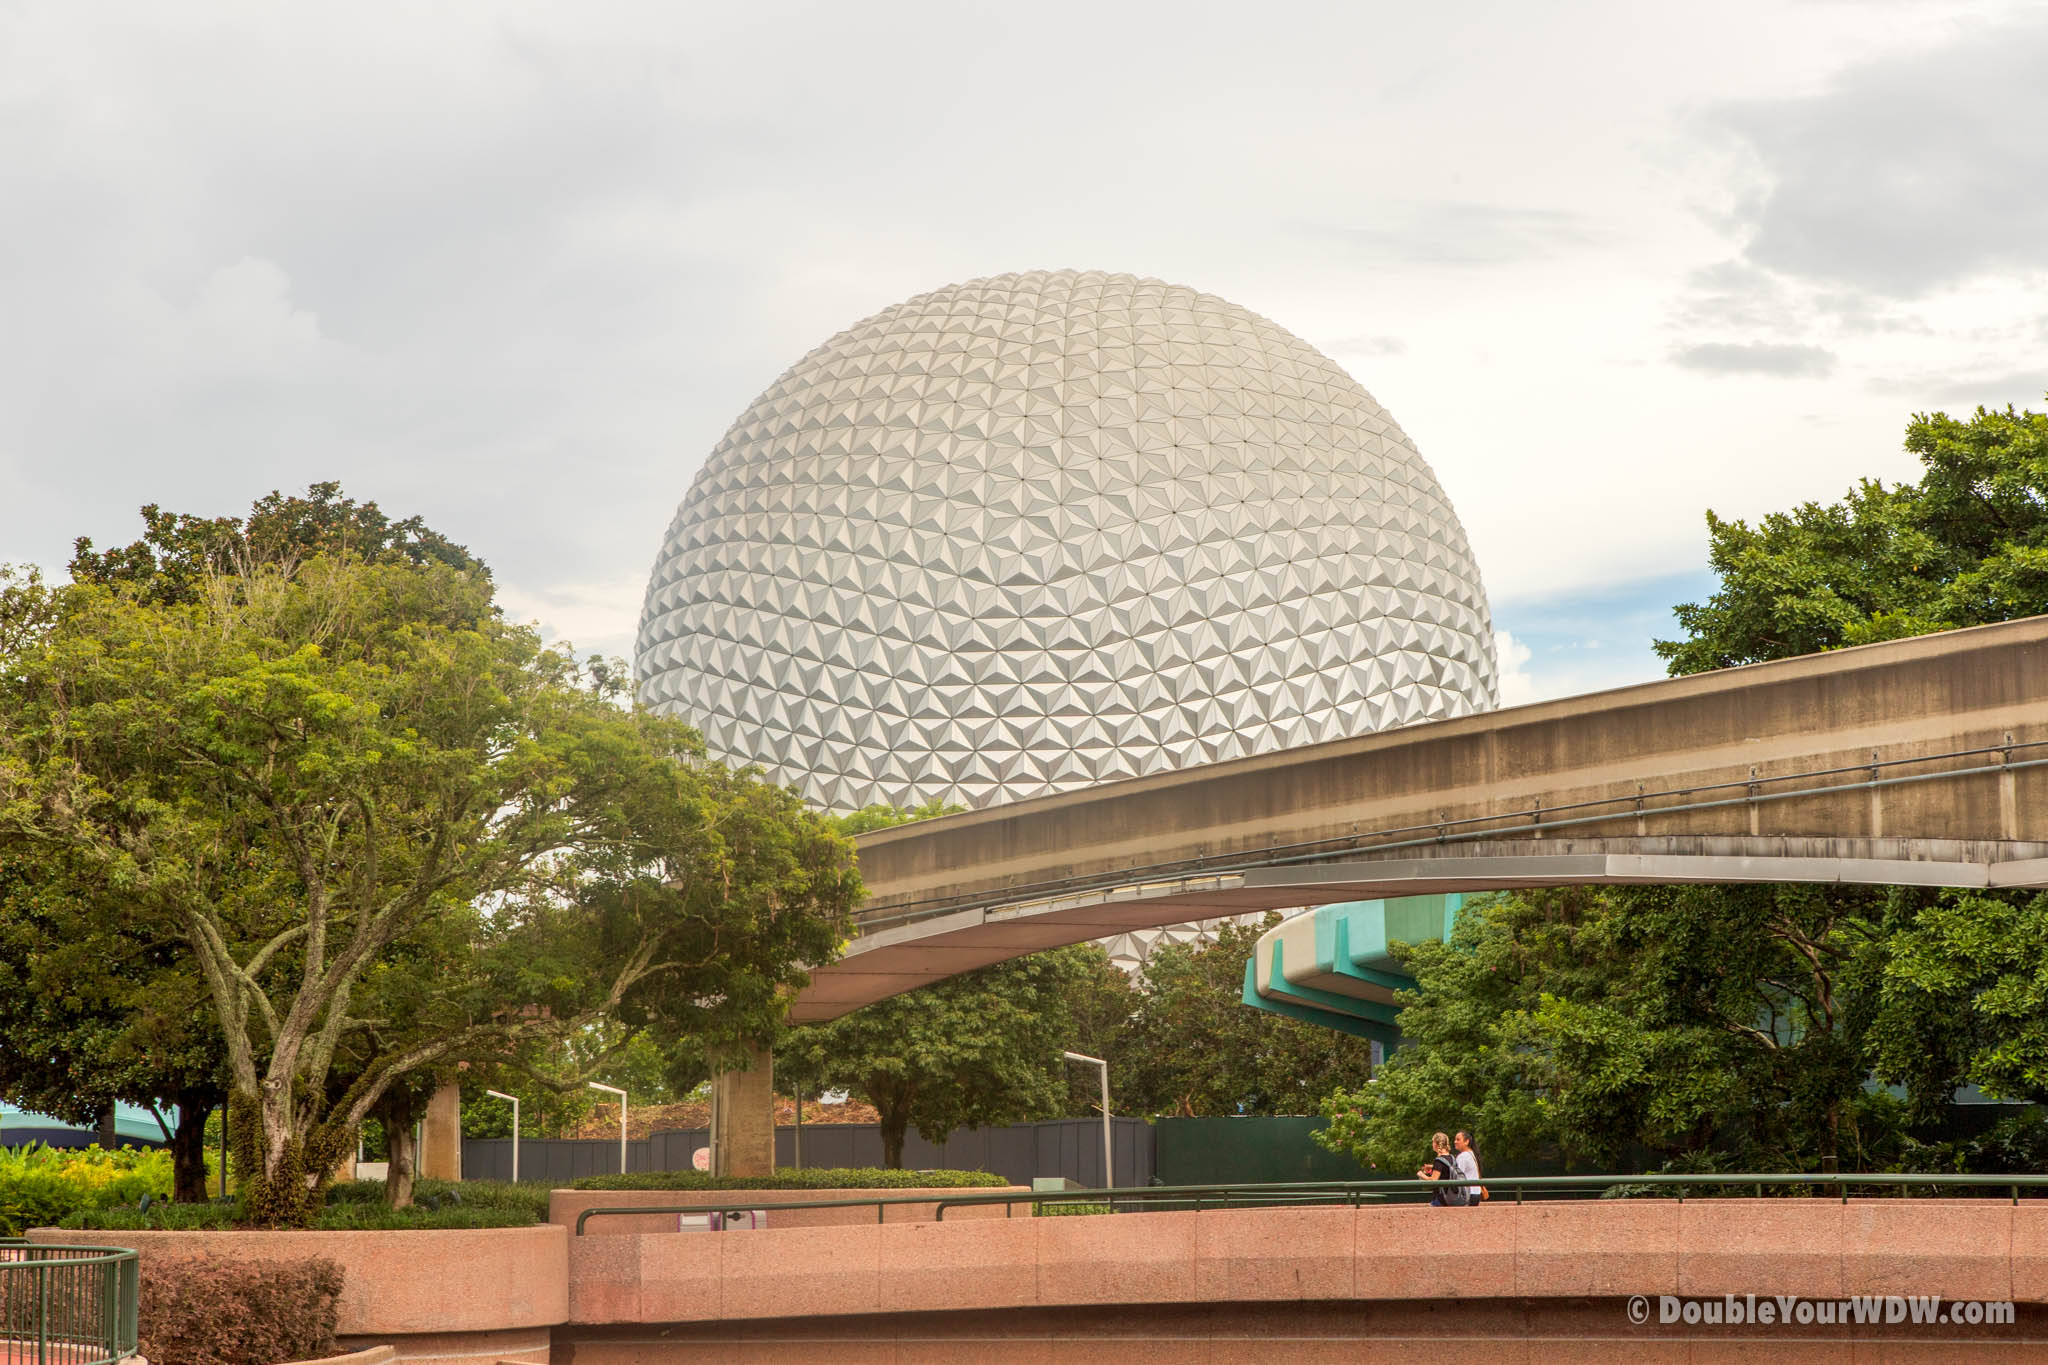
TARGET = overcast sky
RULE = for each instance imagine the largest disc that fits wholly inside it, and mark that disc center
(516, 267)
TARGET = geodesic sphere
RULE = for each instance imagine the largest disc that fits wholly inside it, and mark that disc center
(1039, 531)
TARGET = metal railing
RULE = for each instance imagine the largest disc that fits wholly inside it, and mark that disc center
(1353, 1193)
(66, 1305)
(1643, 804)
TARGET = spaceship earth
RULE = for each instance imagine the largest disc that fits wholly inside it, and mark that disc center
(1043, 530)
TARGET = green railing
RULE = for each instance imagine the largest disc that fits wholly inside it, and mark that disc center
(1517, 1189)
(66, 1305)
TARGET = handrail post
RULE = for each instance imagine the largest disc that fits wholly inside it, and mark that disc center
(107, 1310)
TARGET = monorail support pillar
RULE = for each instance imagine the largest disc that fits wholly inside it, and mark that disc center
(743, 1117)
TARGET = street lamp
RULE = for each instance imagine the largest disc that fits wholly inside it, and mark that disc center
(600, 1085)
(1108, 1160)
(513, 1100)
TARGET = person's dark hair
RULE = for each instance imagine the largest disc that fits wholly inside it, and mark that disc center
(1466, 1133)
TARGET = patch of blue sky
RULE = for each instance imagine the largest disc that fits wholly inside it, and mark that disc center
(1587, 640)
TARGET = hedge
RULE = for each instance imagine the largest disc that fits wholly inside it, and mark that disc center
(356, 1205)
(196, 1312)
(42, 1186)
(823, 1178)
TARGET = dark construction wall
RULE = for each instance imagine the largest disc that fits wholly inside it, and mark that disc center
(1265, 1150)
(1021, 1152)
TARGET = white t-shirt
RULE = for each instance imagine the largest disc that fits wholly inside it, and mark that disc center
(1468, 1166)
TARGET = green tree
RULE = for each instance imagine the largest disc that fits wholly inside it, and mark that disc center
(977, 1049)
(1964, 1000)
(96, 1008)
(1669, 1026)
(884, 816)
(311, 767)
(1965, 545)
(1192, 1048)
(1468, 1057)
(94, 1004)
(179, 553)
(1781, 976)
(1101, 1007)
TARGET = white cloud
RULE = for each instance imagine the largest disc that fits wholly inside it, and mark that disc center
(1517, 688)
(598, 618)
(515, 267)
(1782, 360)
(1910, 172)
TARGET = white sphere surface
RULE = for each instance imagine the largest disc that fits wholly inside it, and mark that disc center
(1043, 530)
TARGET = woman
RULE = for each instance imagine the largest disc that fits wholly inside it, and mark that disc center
(1467, 1162)
(1441, 1166)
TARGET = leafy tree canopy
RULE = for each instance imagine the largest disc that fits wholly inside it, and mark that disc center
(391, 833)
(1689, 1027)
(98, 1006)
(178, 552)
(884, 816)
(1964, 546)
(978, 1049)
(1964, 998)
(1192, 1047)
(1674, 1027)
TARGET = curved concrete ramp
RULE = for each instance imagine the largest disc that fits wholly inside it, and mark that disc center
(1334, 965)
(901, 958)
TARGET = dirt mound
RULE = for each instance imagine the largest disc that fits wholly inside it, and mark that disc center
(643, 1119)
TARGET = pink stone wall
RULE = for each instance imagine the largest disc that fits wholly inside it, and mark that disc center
(1170, 1286)
(1563, 1250)
(1419, 1332)
(565, 1205)
(439, 1296)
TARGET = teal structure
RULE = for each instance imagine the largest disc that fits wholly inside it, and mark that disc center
(1331, 965)
(133, 1125)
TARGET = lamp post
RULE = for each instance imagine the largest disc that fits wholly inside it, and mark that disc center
(1108, 1158)
(600, 1085)
(513, 1100)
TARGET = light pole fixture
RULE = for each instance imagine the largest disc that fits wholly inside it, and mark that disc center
(1108, 1158)
(513, 1100)
(600, 1085)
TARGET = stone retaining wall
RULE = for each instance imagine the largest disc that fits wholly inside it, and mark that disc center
(439, 1296)
(1547, 1279)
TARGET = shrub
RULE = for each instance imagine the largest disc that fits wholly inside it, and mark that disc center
(502, 1202)
(353, 1205)
(827, 1178)
(41, 1186)
(222, 1313)
(164, 1217)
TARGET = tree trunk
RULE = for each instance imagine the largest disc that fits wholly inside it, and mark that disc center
(398, 1112)
(284, 1173)
(109, 1136)
(403, 1163)
(188, 1147)
(895, 1121)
